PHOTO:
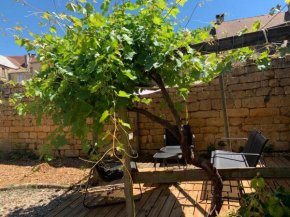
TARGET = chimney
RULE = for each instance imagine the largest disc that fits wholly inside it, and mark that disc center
(26, 60)
(220, 18)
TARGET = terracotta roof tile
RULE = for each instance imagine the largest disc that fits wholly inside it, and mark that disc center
(230, 28)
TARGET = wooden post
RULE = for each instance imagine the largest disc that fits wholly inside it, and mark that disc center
(224, 108)
(95, 179)
(130, 206)
(136, 132)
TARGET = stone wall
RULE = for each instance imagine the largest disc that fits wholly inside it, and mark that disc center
(254, 99)
(22, 131)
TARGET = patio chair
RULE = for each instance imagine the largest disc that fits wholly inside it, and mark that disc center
(248, 158)
(108, 174)
(172, 150)
(172, 145)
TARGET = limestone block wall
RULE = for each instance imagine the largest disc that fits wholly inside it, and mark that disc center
(255, 99)
(22, 131)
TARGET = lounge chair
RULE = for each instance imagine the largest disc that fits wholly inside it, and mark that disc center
(172, 145)
(248, 158)
(172, 150)
(108, 174)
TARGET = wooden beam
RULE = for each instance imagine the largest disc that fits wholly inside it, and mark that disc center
(274, 34)
(169, 176)
(130, 205)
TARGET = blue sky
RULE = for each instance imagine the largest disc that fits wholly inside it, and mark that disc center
(17, 13)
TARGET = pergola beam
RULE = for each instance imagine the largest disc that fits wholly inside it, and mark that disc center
(276, 34)
(201, 175)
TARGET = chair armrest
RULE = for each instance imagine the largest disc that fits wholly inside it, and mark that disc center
(249, 154)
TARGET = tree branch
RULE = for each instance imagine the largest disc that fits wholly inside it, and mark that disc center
(157, 78)
(155, 118)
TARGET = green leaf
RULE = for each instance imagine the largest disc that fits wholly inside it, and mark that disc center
(128, 74)
(256, 25)
(181, 2)
(39, 115)
(86, 147)
(49, 158)
(124, 94)
(276, 210)
(105, 6)
(261, 182)
(18, 28)
(82, 1)
(53, 29)
(104, 116)
(59, 141)
(174, 11)
(254, 183)
(128, 39)
(71, 7)
(157, 20)
(98, 128)
(97, 20)
(46, 15)
(76, 21)
(124, 124)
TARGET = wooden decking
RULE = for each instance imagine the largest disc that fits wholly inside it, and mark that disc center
(164, 200)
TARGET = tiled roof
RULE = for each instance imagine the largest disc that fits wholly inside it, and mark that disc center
(20, 61)
(4, 61)
(230, 28)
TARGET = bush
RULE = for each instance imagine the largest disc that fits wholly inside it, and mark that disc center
(262, 203)
(19, 152)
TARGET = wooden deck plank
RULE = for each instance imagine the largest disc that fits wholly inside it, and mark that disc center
(159, 203)
(180, 200)
(64, 205)
(168, 206)
(113, 210)
(149, 203)
(225, 206)
(176, 200)
(273, 183)
(191, 201)
(139, 204)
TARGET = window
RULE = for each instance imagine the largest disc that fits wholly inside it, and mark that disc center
(3, 73)
(19, 78)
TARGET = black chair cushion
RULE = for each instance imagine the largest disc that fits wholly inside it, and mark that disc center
(113, 173)
(170, 139)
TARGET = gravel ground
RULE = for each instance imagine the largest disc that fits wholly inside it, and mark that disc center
(31, 202)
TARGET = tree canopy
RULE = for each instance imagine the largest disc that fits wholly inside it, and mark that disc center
(101, 57)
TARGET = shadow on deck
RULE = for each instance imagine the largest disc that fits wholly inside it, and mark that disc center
(175, 199)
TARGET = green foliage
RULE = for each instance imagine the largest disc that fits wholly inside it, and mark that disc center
(241, 149)
(210, 148)
(269, 148)
(275, 9)
(94, 67)
(20, 152)
(263, 203)
(221, 144)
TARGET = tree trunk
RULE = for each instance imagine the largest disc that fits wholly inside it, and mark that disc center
(188, 152)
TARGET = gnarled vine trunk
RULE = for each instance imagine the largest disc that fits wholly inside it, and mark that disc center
(188, 152)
